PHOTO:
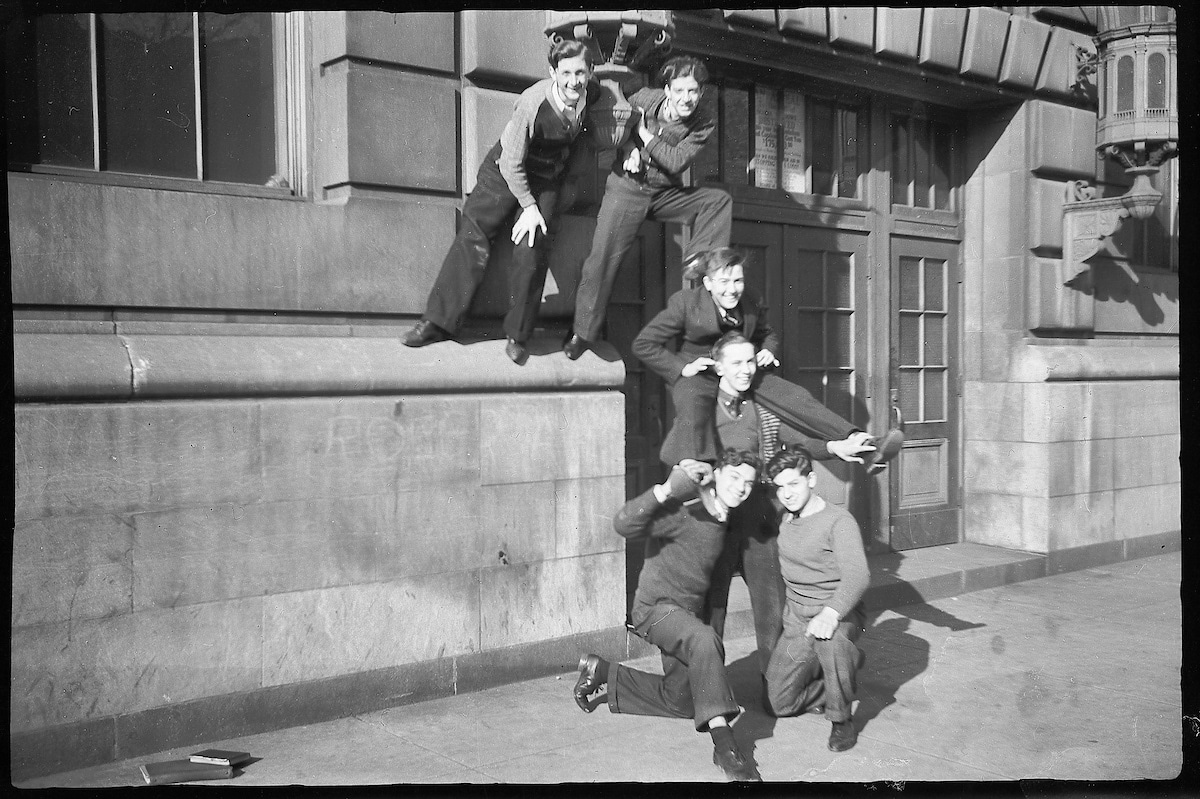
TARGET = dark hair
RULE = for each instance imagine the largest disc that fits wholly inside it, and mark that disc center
(738, 457)
(711, 261)
(785, 459)
(680, 67)
(728, 340)
(569, 48)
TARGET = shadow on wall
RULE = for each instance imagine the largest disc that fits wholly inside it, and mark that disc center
(1106, 280)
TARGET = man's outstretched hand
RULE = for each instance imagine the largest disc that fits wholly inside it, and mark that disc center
(852, 447)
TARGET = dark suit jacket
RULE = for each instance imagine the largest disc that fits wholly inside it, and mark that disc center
(691, 316)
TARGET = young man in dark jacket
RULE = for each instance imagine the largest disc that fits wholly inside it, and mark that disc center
(523, 170)
(683, 541)
(647, 182)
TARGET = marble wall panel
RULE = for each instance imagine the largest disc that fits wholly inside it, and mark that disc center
(811, 21)
(1147, 510)
(1074, 520)
(1101, 409)
(1046, 198)
(993, 411)
(504, 44)
(1059, 69)
(402, 129)
(852, 26)
(987, 29)
(898, 32)
(1005, 467)
(1062, 140)
(551, 599)
(1026, 43)
(517, 520)
(997, 520)
(68, 672)
(1061, 412)
(416, 38)
(91, 458)
(534, 437)
(360, 446)
(1080, 467)
(437, 529)
(71, 568)
(1003, 293)
(584, 514)
(195, 555)
(327, 632)
(942, 37)
(1146, 460)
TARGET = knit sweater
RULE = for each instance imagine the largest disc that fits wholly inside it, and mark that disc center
(675, 143)
(823, 562)
(683, 542)
(758, 430)
(536, 142)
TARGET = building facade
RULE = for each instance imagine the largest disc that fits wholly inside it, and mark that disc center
(241, 504)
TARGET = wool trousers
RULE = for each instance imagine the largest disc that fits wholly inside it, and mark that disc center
(805, 672)
(626, 205)
(693, 683)
(490, 211)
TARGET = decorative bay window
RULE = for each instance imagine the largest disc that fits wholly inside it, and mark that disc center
(196, 96)
(774, 137)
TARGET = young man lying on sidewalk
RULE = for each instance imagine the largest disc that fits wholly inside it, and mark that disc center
(683, 542)
(815, 663)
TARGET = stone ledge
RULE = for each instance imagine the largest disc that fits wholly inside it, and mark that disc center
(89, 743)
(1042, 363)
(56, 366)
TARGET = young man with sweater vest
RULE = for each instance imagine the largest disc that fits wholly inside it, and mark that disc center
(523, 171)
(647, 182)
(684, 537)
(815, 665)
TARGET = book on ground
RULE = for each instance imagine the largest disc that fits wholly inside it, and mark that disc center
(169, 771)
(220, 757)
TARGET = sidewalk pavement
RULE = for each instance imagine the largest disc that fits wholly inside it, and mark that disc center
(1074, 676)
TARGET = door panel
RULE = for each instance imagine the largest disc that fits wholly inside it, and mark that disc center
(924, 377)
(812, 282)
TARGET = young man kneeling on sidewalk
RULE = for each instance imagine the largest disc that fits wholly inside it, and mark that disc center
(683, 541)
(815, 664)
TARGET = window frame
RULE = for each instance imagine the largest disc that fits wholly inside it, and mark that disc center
(291, 93)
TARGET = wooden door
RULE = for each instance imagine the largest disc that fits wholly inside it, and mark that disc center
(925, 392)
(813, 282)
(638, 294)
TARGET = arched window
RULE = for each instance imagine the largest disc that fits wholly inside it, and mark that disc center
(1156, 81)
(1124, 84)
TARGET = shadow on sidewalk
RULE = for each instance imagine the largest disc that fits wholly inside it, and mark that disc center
(877, 682)
(745, 678)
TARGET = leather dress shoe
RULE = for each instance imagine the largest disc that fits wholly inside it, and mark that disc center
(574, 346)
(588, 682)
(843, 737)
(886, 448)
(735, 765)
(516, 352)
(424, 332)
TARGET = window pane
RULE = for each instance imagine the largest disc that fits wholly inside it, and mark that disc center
(735, 143)
(838, 281)
(910, 340)
(864, 147)
(910, 283)
(910, 395)
(935, 340)
(810, 339)
(1156, 81)
(148, 88)
(900, 165)
(810, 278)
(935, 395)
(942, 164)
(1124, 84)
(766, 134)
(848, 138)
(821, 152)
(793, 142)
(50, 91)
(838, 396)
(839, 345)
(237, 63)
(920, 135)
(935, 281)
